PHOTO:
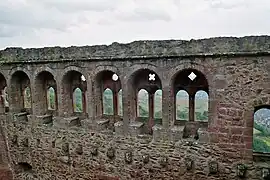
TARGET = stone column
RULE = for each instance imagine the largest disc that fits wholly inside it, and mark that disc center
(115, 102)
(63, 99)
(38, 100)
(167, 107)
(89, 99)
(191, 107)
(151, 122)
(126, 98)
(98, 100)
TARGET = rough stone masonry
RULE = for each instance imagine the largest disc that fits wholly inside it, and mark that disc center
(60, 144)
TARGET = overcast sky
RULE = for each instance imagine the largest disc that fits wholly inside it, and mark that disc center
(38, 23)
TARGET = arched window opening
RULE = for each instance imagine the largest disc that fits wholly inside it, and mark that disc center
(261, 130)
(201, 106)
(51, 100)
(158, 104)
(46, 90)
(120, 103)
(77, 100)
(108, 102)
(143, 103)
(27, 98)
(108, 95)
(192, 81)
(182, 105)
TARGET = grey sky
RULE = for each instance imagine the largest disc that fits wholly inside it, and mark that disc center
(38, 23)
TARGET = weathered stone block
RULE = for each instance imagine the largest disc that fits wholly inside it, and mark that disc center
(176, 133)
(213, 167)
(21, 117)
(119, 128)
(157, 132)
(79, 149)
(266, 173)
(163, 161)
(241, 170)
(203, 135)
(102, 124)
(145, 158)
(45, 119)
(189, 163)
(128, 157)
(94, 150)
(73, 121)
(111, 152)
(136, 128)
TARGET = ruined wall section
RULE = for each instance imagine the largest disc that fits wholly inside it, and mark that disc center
(87, 153)
(220, 45)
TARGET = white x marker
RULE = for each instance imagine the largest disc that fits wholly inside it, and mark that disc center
(152, 77)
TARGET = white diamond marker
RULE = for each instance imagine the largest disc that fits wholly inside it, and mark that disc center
(192, 76)
(152, 77)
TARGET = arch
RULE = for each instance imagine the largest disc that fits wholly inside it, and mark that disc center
(42, 69)
(46, 90)
(4, 96)
(158, 104)
(190, 80)
(103, 82)
(201, 106)
(70, 69)
(143, 103)
(189, 65)
(103, 68)
(19, 98)
(261, 129)
(108, 105)
(70, 82)
(16, 70)
(77, 100)
(51, 98)
(182, 105)
(132, 70)
(120, 100)
(149, 81)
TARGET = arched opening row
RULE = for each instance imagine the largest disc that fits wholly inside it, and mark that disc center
(145, 92)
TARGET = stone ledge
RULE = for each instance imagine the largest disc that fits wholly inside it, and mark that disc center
(22, 117)
(45, 119)
(136, 128)
(73, 121)
(65, 122)
(102, 124)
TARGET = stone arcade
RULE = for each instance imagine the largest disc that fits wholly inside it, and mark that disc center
(47, 141)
